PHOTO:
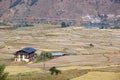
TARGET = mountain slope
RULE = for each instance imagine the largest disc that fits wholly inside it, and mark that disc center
(38, 10)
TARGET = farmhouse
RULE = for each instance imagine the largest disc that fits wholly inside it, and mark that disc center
(26, 54)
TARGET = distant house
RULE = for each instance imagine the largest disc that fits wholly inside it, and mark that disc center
(26, 54)
(57, 54)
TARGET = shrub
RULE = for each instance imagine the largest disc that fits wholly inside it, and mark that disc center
(44, 56)
(3, 75)
(63, 24)
(54, 70)
(91, 45)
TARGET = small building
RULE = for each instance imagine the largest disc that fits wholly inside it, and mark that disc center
(26, 54)
(57, 54)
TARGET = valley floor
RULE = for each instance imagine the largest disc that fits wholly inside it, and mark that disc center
(95, 50)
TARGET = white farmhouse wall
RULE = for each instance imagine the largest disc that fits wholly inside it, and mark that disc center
(18, 59)
(24, 59)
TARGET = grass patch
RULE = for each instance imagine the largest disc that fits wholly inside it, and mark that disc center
(99, 76)
(3, 24)
(66, 75)
(50, 34)
(71, 74)
(10, 42)
(15, 43)
(2, 45)
(45, 25)
(14, 70)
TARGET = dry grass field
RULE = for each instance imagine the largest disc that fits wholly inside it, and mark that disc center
(89, 48)
(13, 70)
(100, 76)
(80, 73)
(75, 40)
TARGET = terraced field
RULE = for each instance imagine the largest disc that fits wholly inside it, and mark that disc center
(86, 47)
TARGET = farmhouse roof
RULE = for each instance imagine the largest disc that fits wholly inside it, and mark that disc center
(26, 50)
